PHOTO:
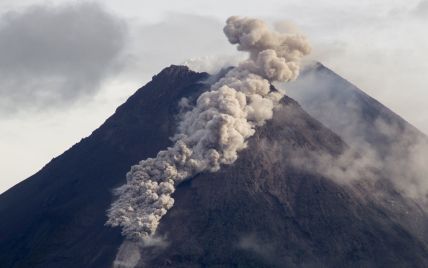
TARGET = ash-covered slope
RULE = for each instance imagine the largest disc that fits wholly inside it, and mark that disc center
(262, 211)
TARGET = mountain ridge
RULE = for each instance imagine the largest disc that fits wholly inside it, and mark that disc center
(224, 219)
(53, 189)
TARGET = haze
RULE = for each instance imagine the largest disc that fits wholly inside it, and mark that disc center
(67, 65)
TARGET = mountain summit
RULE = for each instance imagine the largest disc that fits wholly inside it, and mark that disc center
(271, 208)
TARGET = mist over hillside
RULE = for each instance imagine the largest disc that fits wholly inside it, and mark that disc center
(266, 210)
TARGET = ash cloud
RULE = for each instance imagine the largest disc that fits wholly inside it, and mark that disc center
(212, 64)
(212, 133)
(53, 55)
(129, 252)
(128, 255)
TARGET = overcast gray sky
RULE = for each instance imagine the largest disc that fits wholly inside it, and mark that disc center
(66, 65)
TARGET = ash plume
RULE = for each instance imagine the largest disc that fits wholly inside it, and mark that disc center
(212, 132)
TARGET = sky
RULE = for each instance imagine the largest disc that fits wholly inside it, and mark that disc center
(66, 65)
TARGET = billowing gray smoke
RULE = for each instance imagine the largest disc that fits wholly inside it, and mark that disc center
(213, 132)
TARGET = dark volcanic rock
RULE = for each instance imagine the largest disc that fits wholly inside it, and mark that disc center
(56, 217)
(263, 211)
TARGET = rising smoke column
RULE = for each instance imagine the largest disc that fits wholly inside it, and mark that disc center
(213, 132)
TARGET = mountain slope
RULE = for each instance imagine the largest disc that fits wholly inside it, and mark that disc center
(56, 217)
(382, 137)
(358, 118)
(263, 211)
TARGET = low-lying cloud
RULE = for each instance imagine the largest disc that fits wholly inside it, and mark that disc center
(56, 54)
(381, 144)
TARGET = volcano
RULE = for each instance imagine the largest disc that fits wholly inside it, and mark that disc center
(262, 211)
